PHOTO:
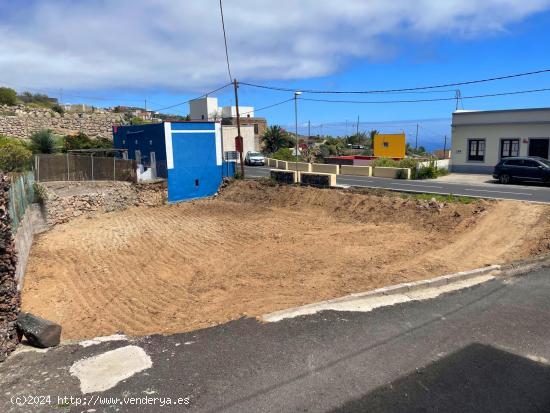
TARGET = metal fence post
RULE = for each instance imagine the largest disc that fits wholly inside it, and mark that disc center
(92, 156)
(114, 168)
(68, 169)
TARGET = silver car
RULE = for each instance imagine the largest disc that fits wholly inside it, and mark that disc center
(254, 158)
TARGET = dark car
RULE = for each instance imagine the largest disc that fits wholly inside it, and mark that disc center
(522, 169)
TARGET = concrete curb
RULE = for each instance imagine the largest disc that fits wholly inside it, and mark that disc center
(398, 289)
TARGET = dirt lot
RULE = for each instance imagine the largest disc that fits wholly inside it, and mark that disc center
(256, 249)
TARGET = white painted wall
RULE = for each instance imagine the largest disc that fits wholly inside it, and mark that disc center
(204, 109)
(494, 126)
(231, 111)
(229, 133)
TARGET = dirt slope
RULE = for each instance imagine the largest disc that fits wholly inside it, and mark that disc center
(257, 249)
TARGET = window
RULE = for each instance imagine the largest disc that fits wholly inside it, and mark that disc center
(476, 150)
(386, 144)
(514, 162)
(256, 128)
(531, 164)
(509, 147)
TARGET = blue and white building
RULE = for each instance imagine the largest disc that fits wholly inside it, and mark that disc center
(188, 154)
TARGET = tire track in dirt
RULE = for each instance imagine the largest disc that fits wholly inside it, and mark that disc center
(251, 251)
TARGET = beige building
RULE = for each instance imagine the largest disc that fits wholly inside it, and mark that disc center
(480, 139)
(250, 142)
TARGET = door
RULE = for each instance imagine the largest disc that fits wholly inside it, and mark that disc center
(532, 170)
(539, 147)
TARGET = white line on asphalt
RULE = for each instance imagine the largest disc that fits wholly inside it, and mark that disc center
(498, 192)
(422, 186)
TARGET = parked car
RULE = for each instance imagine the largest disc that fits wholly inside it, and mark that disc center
(530, 168)
(254, 158)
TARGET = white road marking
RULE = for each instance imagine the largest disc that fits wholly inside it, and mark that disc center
(98, 340)
(420, 185)
(106, 370)
(498, 192)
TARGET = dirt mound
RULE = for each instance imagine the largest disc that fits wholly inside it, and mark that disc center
(255, 249)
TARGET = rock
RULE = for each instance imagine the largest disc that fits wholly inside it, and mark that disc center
(38, 331)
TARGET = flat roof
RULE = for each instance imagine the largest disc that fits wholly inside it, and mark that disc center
(463, 111)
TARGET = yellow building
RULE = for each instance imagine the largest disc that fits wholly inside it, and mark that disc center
(389, 145)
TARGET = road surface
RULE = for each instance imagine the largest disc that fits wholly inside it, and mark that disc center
(526, 192)
(482, 349)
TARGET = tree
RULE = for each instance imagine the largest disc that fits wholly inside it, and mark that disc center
(276, 138)
(284, 154)
(8, 96)
(43, 141)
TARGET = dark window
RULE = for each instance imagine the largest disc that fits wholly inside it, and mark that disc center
(513, 162)
(256, 128)
(386, 144)
(531, 164)
(476, 149)
(509, 147)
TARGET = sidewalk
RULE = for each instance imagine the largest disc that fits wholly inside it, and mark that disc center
(468, 179)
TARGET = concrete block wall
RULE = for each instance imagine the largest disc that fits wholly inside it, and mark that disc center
(299, 166)
(281, 165)
(388, 172)
(356, 170)
(284, 176)
(305, 175)
(324, 168)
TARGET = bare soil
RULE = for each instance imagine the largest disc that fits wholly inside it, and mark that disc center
(258, 248)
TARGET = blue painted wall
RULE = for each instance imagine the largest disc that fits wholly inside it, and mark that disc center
(195, 167)
(146, 139)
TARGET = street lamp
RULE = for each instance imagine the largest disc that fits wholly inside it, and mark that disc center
(296, 94)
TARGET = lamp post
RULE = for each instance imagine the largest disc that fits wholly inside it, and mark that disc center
(296, 94)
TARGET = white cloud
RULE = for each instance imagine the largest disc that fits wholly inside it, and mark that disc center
(173, 44)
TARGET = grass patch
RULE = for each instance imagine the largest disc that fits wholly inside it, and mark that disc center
(458, 199)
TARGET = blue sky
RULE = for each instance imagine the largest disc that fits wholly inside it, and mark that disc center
(167, 52)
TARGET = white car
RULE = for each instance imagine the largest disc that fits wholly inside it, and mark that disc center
(254, 158)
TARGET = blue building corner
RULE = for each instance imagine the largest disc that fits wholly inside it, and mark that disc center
(188, 154)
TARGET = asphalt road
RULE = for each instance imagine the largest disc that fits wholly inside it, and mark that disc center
(483, 349)
(526, 192)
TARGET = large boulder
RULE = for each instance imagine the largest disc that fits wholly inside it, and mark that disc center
(38, 331)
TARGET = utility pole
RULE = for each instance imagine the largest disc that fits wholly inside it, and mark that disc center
(416, 139)
(458, 97)
(239, 137)
(145, 105)
(296, 94)
(445, 148)
(357, 130)
(309, 129)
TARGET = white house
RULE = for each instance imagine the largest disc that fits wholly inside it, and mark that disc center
(481, 138)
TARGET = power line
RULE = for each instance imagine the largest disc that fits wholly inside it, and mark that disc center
(268, 107)
(469, 82)
(519, 92)
(225, 42)
(198, 97)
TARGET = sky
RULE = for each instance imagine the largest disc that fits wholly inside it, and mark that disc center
(124, 52)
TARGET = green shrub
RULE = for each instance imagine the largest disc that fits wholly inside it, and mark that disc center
(401, 174)
(44, 141)
(58, 108)
(8, 96)
(430, 171)
(385, 162)
(40, 193)
(14, 156)
(284, 154)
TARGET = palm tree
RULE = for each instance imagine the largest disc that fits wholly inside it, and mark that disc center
(275, 138)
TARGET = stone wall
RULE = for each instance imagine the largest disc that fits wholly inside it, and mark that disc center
(9, 295)
(21, 121)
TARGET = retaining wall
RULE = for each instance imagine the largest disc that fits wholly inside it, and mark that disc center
(356, 170)
(281, 164)
(299, 166)
(387, 172)
(318, 179)
(284, 177)
(10, 300)
(324, 168)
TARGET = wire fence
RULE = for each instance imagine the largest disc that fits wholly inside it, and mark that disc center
(70, 167)
(21, 195)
